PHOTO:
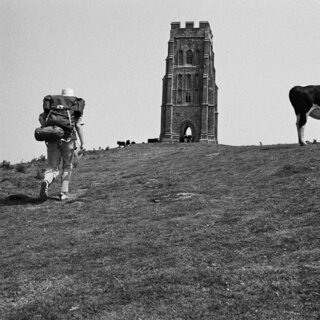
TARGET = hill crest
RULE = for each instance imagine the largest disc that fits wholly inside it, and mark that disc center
(166, 231)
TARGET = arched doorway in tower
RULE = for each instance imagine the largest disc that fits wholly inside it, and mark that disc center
(187, 132)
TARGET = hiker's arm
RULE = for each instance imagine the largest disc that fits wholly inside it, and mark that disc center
(79, 128)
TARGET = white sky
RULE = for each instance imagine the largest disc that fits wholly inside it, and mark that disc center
(112, 53)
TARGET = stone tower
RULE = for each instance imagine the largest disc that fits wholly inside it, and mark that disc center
(189, 95)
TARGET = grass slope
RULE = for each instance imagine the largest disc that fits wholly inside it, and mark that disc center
(181, 231)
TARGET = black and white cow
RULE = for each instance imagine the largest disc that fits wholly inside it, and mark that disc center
(121, 144)
(306, 102)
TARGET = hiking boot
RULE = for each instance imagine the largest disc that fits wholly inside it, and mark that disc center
(63, 196)
(43, 195)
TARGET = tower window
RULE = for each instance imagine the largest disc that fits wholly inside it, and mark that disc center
(188, 97)
(180, 57)
(180, 81)
(197, 57)
(189, 57)
(189, 81)
(197, 82)
(179, 97)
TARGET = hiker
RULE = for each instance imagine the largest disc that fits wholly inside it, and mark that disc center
(61, 150)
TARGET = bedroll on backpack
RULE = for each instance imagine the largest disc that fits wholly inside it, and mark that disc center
(49, 133)
(63, 111)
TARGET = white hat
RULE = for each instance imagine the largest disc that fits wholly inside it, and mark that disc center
(67, 92)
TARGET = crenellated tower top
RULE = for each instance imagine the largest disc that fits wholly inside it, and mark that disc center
(191, 30)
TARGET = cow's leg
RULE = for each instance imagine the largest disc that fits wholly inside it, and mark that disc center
(301, 123)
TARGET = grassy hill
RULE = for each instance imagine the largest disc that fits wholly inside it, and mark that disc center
(161, 231)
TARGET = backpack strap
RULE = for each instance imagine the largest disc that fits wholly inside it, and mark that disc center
(69, 116)
(48, 115)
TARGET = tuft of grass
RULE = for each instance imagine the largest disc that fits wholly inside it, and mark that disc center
(42, 158)
(21, 167)
(6, 164)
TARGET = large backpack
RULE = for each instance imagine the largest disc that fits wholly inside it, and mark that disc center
(63, 111)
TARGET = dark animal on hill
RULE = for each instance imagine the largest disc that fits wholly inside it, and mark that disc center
(121, 144)
(306, 102)
(153, 140)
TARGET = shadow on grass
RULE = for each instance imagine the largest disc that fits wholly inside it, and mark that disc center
(18, 199)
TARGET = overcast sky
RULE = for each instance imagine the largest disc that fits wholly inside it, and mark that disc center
(112, 53)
